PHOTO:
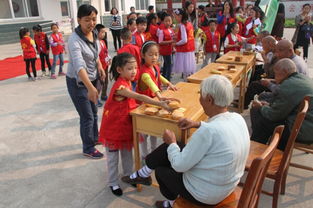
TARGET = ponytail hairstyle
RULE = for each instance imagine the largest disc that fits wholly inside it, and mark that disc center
(230, 27)
(119, 60)
(150, 18)
(23, 31)
(184, 15)
(145, 47)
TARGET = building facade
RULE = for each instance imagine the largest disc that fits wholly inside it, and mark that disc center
(15, 14)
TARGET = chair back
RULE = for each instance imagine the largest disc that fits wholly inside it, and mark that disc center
(252, 188)
(303, 108)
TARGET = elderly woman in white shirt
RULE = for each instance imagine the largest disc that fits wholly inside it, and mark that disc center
(209, 167)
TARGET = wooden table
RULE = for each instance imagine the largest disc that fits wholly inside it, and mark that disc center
(249, 62)
(205, 72)
(188, 94)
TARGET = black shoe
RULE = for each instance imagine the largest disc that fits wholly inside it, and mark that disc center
(94, 155)
(117, 192)
(138, 180)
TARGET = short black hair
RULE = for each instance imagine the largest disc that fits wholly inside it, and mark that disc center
(150, 7)
(212, 21)
(126, 34)
(201, 7)
(99, 27)
(85, 10)
(54, 24)
(141, 20)
(131, 21)
(37, 28)
(111, 12)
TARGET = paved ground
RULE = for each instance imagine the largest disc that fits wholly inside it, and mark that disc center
(40, 153)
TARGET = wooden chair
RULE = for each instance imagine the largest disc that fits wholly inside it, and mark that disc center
(279, 165)
(307, 148)
(248, 196)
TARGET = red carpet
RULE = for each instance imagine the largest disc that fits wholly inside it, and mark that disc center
(15, 66)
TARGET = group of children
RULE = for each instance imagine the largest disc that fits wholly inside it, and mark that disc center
(41, 45)
(232, 31)
(138, 76)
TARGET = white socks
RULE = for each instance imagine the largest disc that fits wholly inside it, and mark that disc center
(115, 187)
(168, 203)
(144, 172)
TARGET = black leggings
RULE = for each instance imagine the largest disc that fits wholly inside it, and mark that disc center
(33, 63)
(45, 57)
(116, 37)
(170, 182)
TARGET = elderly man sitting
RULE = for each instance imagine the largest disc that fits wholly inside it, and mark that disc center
(209, 167)
(283, 107)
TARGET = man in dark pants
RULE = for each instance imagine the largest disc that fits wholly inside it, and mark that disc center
(283, 107)
(209, 167)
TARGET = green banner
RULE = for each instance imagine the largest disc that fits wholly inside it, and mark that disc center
(269, 7)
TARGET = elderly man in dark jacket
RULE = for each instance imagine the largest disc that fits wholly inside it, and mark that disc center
(283, 108)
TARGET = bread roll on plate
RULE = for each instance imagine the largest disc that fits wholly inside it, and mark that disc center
(164, 113)
(176, 115)
(151, 111)
(154, 106)
(232, 70)
(174, 104)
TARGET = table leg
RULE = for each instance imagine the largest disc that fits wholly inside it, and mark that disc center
(136, 149)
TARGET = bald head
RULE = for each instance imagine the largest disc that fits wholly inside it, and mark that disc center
(283, 68)
(284, 49)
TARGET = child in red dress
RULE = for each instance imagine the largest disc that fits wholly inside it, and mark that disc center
(116, 131)
(150, 81)
(29, 52)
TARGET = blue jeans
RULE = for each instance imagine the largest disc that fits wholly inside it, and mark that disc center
(167, 67)
(55, 59)
(87, 111)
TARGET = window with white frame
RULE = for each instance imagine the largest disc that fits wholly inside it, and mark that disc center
(10, 9)
(64, 8)
(142, 4)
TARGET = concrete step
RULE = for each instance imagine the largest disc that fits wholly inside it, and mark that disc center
(9, 32)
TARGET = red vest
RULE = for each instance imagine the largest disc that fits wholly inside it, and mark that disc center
(152, 33)
(135, 51)
(166, 50)
(58, 49)
(156, 79)
(138, 39)
(201, 19)
(211, 41)
(190, 45)
(226, 21)
(250, 32)
(232, 42)
(41, 43)
(116, 131)
(103, 54)
(29, 51)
